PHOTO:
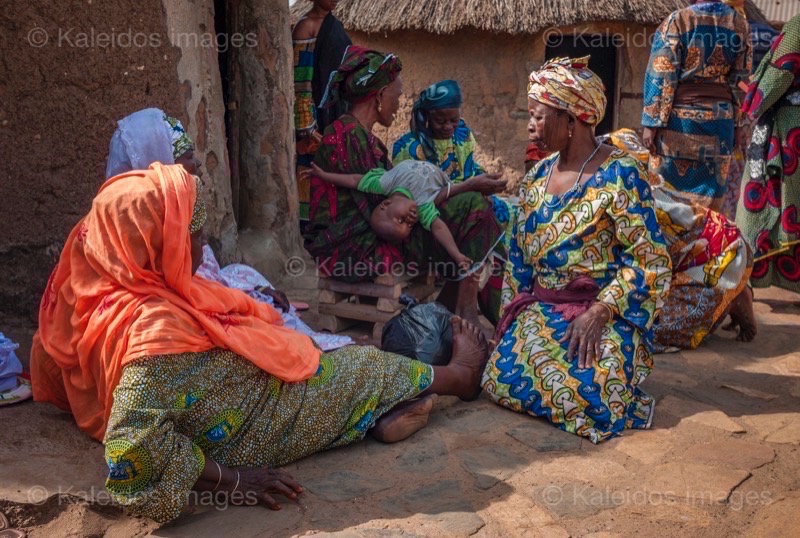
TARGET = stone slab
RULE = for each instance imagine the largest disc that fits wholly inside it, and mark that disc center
(732, 453)
(543, 437)
(442, 502)
(789, 434)
(344, 485)
(699, 413)
(575, 500)
(697, 482)
(491, 464)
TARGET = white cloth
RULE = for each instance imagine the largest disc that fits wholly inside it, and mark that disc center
(140, 140)
(247, 279)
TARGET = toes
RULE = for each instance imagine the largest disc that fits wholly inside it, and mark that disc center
(457, 324)
(428, 403)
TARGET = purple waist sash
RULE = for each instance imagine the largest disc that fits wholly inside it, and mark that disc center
(571, 302)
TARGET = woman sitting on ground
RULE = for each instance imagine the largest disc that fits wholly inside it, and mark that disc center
(711, 263)
(587, 272)
(149, 136)
(440, 136)
(339, 234)
(191, 385)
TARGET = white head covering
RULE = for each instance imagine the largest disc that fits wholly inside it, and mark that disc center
(140, 140)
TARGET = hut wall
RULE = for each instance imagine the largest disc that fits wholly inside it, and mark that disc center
(269, 214)
(72, 68)
(492, 70)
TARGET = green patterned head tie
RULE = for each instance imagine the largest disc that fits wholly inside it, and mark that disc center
(362, 74)
(199, 214)
(181, 143)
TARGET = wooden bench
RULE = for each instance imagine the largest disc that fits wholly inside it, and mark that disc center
(342, 304)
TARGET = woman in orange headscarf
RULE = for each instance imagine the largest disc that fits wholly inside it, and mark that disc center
(185, 380)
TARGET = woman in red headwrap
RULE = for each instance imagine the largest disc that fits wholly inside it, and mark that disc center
(338, 234)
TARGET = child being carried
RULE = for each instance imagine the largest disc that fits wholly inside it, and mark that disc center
(414, 189)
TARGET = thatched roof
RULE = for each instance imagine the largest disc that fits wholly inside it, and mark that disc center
(499, 16)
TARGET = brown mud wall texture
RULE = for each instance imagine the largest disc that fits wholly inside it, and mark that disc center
(69, 70)
(268, 220)
(492, 70)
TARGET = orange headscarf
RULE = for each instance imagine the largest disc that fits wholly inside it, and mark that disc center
(123, 289)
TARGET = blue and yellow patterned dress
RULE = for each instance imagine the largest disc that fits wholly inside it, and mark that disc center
(706, 43)
(607, 230)
(172, 412)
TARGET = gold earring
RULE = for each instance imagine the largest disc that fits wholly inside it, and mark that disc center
(379, 106)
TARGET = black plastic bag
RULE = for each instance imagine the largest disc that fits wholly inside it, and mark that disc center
(421, 331)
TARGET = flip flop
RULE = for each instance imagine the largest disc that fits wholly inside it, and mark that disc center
(19, 394)
(299, 306)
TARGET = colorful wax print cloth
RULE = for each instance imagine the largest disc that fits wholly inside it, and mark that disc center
(711, 262)
(455, 155)
(606, 231)
(704, 43)
(346, 248)
(305, 120)
(768, 208)
(172, 412)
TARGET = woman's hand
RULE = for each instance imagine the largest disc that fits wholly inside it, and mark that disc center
(487, 183)
(649, 135)
(279, 298)
(583, 335)
(259, 482)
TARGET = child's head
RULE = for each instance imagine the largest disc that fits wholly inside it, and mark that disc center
(394, 218)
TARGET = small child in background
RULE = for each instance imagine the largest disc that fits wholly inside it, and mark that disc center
(413, 190)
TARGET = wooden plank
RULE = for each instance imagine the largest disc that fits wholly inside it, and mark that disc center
(377, 332)
(362, 312)
(369, 289)
(389, 305)
(420, 291)
(390, 279)
(429, 279)
(332, 297)
(334, 324)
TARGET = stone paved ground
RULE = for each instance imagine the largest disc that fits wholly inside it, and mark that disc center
(721, 460)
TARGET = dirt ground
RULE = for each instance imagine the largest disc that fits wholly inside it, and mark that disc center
(722, 459)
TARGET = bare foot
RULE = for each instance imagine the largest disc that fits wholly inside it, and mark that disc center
(470, 354)
(730, 326)
(404, 420)
(743, 317)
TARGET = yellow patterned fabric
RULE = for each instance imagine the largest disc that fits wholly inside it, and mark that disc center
(606, 231)
(711, 261)
(172, 412)
(568, 84)
(304, 107)
(199, 214)
(738, 5)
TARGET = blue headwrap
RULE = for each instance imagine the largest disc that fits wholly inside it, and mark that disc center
(443, 94)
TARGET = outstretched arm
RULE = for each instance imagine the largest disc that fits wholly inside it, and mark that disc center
(348, 181)
(484, 184)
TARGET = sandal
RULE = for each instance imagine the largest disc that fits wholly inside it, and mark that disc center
(299, 306)
(19, 394)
